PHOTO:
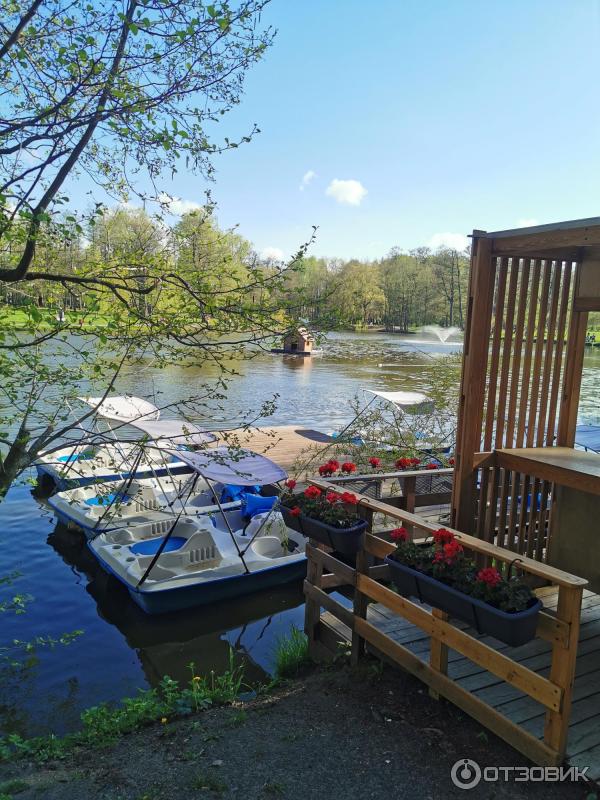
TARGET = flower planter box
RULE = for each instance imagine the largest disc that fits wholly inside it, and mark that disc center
(344, 540)
(512, 629)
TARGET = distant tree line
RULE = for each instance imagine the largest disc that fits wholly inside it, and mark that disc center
(129, 245)
(399, 292)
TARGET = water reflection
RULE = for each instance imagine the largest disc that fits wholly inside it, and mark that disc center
(166, 644)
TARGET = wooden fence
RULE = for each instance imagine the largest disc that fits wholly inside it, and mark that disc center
(368, 580)
(417, 488)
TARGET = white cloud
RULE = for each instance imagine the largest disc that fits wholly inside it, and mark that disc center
(271, 254)
(527, 222)
(456, 241)
(178, 206)
(349, 192)
(307, 178)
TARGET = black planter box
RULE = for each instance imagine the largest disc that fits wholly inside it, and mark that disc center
(512, 629)
(344, 540)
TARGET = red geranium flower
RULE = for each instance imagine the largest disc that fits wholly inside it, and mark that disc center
(414, 462)
(326, 469)
(291, 484)
(332, 497)
(374, 462)
(452, 549)
(334, 464)
(348, 497)
(348, 466)
(403, 463)
(490, 576)
(448, 552)
(312, 492)
(443, 536)
(431, 465)
(399, 535)
(295, 511)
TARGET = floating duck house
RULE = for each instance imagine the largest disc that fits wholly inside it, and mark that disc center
(297, 342)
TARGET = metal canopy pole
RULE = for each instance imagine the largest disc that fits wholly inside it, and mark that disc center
(239, 552)
(163, 544)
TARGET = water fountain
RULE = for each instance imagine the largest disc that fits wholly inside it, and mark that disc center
(443, 334)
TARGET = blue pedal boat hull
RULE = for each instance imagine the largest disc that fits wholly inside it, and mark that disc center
(180, 598)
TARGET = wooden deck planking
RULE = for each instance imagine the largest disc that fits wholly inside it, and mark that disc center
(583, 746)
(288, 445)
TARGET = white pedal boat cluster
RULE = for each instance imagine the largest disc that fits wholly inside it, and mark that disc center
(176, 539)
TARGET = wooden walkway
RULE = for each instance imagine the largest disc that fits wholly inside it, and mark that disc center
(583, 746)
(288, 445)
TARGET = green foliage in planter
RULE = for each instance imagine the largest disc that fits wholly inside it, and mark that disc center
(337, 509)
(445, 560)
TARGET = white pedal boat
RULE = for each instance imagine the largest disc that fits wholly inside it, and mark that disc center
(106, 457)
(117, 504)
(201, 562)
(92, 463)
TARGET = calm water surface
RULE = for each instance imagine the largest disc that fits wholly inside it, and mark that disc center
(122, 649)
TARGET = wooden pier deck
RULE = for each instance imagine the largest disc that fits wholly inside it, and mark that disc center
(583, 747)
(288, 445)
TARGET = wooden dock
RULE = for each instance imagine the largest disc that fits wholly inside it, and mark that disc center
(583, 746)
(288, 445)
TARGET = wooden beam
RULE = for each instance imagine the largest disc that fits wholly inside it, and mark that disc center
(321, 598)
(438, 652)
(562, 671)
(341, 570)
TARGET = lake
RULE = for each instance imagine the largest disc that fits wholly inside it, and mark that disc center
(121, 648)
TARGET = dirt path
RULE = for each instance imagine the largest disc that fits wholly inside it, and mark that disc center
(334, 734)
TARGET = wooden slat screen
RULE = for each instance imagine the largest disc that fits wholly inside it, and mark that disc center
(530, 321)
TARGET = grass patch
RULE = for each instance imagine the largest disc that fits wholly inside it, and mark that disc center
(291, 654)
(105, 724)
(208, 782)
(237, 718)
(273, 789)
(13, 787)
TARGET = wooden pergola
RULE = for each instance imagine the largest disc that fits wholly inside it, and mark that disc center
(519, 482)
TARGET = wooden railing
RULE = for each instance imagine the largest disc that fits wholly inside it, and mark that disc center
(367, 578)
(410, 497)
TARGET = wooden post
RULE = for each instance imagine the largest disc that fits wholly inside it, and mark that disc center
(573, 369)
(361, 601)
(438, 656)
(312, 610)
(409, 491)
(474, 375)
(562, 670)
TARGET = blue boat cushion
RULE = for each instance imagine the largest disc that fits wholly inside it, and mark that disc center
(230, 492)
(150, 546)
(107, 499)
(75, 457)
(253, 504)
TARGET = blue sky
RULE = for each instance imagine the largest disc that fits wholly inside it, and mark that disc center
(449, 114)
